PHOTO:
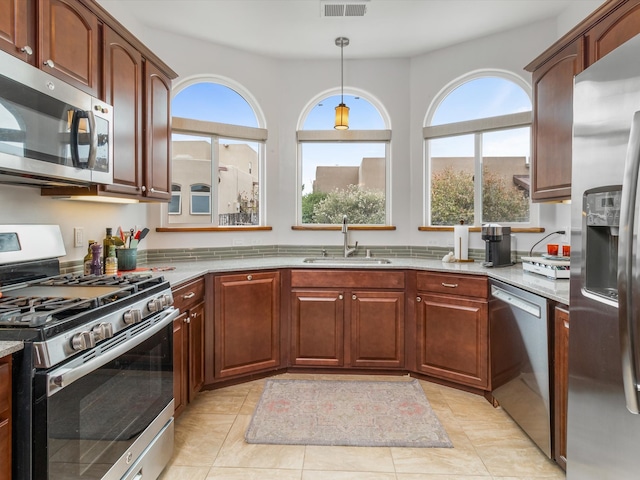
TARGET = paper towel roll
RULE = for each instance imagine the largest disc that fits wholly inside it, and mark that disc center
(461, 242)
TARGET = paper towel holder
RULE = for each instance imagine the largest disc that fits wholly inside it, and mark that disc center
(462, 260)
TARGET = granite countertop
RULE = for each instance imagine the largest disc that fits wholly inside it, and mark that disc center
(557, 290)
(7, 348)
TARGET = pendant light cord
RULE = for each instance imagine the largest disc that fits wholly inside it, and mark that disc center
(342, 71)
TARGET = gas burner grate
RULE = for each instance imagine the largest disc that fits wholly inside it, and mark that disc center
(36, 311)
(99, 280)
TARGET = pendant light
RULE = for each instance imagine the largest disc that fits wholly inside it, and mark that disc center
(342, 111)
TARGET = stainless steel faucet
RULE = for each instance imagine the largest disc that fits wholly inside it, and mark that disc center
(345, 231)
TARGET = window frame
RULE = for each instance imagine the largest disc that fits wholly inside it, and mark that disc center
(477, 128)
(343, 136)
(178, 194)
(193, 194)
(215, 131)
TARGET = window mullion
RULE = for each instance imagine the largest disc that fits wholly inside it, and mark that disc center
(477, 180)
(215, 174)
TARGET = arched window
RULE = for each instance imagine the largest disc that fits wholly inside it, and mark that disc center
(344, 172)
(477, 144)
(218, 146)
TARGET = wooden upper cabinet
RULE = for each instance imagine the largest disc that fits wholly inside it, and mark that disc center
(16, 34)
(69, 43)
(157, 154)
(123, 89)
(616, 28)
(553, 123)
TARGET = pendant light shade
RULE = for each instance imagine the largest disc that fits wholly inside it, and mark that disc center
(342, 111)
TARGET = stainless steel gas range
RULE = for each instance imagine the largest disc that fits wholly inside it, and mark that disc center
(93, 386)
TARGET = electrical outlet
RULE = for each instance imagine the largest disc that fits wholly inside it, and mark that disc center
(78, 236)
(566, 238)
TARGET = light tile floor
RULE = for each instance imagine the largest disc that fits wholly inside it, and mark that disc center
(488, 445)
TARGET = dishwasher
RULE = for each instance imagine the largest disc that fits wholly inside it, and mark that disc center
(520, 359)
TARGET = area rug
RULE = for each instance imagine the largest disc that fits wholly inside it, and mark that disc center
(351, 413)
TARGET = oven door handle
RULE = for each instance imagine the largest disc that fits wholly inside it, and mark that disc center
(64, 376)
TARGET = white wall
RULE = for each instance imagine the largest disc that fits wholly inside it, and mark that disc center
(283, 89)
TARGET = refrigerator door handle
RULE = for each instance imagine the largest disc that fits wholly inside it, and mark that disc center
(626, 272)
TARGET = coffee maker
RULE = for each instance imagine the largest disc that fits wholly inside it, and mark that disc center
(497, 245)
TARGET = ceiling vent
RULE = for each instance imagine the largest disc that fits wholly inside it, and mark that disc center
(343, 9)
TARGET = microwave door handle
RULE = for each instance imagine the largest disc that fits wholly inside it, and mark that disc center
(75, 140)
(93, 150)
(628, 276)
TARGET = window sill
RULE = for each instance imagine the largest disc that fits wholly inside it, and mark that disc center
(478, 229)
(339, 227)
(239, 228)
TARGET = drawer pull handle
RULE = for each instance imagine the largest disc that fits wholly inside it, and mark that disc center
(450, 285)
(189, 295)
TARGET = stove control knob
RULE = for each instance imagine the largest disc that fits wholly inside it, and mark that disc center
(83, 340)
(132, 316)
(102, 331)
(155, 305)
(167, 300)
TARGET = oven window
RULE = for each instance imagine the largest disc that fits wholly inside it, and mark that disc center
(92, 422)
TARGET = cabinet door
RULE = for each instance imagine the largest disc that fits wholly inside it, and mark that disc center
(452, 339)
(180, 362)
(246, 323)
(15, 37)
(377, 329)
(560, 384)
(122, 72)
(616, 28)
(553, 123)
(69, 43)
(317, 330)
(157, 154)
(196, 350)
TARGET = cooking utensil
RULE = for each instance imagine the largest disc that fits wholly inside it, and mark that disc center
(143, 233)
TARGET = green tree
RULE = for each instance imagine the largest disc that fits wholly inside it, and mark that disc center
(361, 206)
(309, 201)
(452, 198)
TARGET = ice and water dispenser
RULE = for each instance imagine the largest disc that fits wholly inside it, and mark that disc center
(601, 223)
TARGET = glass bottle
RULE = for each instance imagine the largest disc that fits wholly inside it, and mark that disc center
(106, 243)
(96, 259)
(111, 262)
(87, 259)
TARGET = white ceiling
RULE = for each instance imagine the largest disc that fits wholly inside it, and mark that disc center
(295, 29)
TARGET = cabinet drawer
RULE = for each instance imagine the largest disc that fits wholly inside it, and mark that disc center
(5, 388)
(462, 285)
(188, 294)
(347, 279)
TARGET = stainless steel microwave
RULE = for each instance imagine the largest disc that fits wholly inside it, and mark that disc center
(51, 133)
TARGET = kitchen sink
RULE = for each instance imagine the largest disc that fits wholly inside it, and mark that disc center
(347, 261)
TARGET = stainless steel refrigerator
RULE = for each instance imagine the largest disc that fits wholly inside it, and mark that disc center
(604, 337)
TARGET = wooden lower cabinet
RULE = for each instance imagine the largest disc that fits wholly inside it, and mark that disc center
(560, 384)
(317, 328)
(188, 343)
(246, 323)
(5, 418)
(357, 324)
(452, 328)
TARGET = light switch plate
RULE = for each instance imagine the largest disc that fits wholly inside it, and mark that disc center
(78, 236)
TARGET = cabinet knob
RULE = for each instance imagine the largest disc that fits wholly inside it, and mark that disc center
(49, 63)
(27, 49)
(187, 320)
(353, 297)
(418, 299)
(249, 277)
(340, 297)
(194, 315)
(143, 188)
(152, 190)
